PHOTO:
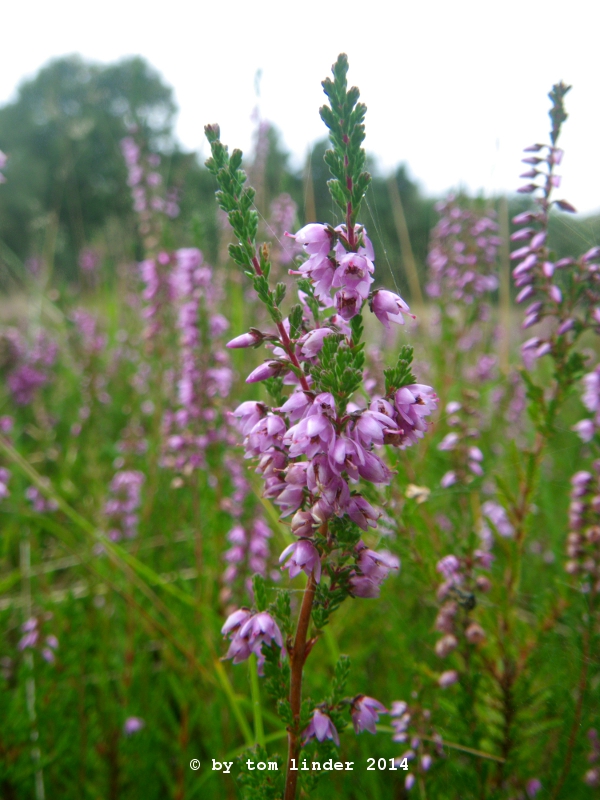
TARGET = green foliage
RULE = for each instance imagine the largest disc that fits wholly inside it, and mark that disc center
(346, 161)
(259, 585)
(339, 369)
(257, 785)
(277, 676)
(400, 375)
(66, 170)
(557, 112)
(342, 672)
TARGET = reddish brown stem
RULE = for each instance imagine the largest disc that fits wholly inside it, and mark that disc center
(297, 659)
(285, 339)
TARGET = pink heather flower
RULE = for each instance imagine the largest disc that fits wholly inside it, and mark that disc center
(449, 441)
(297, 405)
(133, 725)
(312, 343)
(585, 430)
(314, 237)
(365, 713)
(248, 631)
(235, 620)
(270, 369)
(302, 556)
(24, 382)
(260, 628)
(310, 436)
(532, 787)
(245, 340)
(372, 570)
(446, 645)
(449, 566)
(354, 272)
(414, 403)
(409, 782)
(447, 678)
(303, 524)
(348, 303)
(498, 517)
(449, 479)
(388, 307)
(248, 414)
(321, 727)
(475, 633)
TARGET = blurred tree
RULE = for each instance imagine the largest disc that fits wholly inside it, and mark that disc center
(65, 170)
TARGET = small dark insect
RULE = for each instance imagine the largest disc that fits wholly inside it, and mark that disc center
(465, 599)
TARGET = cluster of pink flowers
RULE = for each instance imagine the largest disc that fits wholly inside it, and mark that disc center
(462, 579)
(32, 639)
(463, 255)
(247, 554)
(40, 503)
(88, 260)
(121, 508)
(282, 219)
(204, 374)
(333, 265)
(27, 365)
(90, 339)
(158, 292)
(311, 450)
(411, 725)
(146, 185)
(572, 306)
(586, 428)
(3, 160)
(5, 475)
(248, 632)
(467, 457)
(583, 541)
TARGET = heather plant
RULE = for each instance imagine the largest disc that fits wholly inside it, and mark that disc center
(314, 445)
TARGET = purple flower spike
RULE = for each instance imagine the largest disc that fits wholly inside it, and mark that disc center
(365, 713)
(302, 556)
(321, 727)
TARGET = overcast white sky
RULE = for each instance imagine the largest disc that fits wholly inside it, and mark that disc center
(454, 88)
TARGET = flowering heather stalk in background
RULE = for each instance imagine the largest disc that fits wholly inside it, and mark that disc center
(463, 254)
(26, 365)
(33, 639)
(121, 508)
(566, 292)
(314, 446)
(204, 375)
(283, 217)
(3, 160)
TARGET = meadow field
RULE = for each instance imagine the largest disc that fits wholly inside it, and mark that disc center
(422, 447)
